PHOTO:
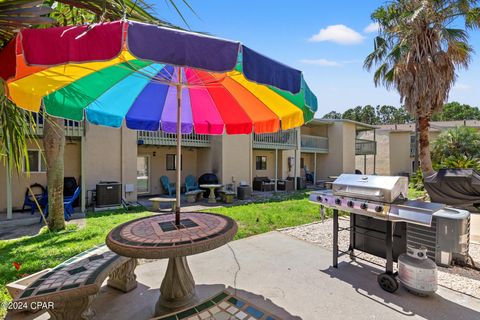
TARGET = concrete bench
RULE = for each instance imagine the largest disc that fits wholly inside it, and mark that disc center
(194, 196)
(68, 290)
(227, 196)
(157, 201)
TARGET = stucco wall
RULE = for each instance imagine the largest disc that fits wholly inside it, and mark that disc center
(110, 155)
(317, 130)
(400, 160)
(236, 155)
(270, 172)
(308, 159)
(158, 165)
(286, 170)
(332, 163)
(21, 182)
(382, 157)
(348, 143)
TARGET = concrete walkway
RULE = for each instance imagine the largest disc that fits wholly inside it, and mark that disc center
(292, 279)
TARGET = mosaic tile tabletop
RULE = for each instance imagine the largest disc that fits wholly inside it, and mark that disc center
(81, 271)
(224, 306)
(158, 237)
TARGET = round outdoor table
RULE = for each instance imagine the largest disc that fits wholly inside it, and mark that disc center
(212, 187)
(158, 237)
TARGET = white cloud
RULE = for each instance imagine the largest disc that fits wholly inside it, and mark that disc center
(462, 87)
(321, 62)
(372, 28)
(338, 33)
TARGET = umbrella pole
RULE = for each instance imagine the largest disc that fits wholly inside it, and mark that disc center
(179, 146)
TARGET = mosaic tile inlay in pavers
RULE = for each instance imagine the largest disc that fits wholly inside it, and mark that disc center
(224, 306)
(81, 270)
(160, 231)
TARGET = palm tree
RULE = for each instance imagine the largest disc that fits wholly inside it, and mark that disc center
(418, 51)
(15, 14)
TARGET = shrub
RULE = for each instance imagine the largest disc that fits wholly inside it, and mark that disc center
(461, 143)
(460, 162)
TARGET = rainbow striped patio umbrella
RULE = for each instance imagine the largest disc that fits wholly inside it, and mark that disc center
(153, 78)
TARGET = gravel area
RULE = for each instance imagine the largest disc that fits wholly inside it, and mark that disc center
(464, 280)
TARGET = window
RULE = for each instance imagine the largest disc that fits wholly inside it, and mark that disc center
(261, 163)
(36, 161)
(172, 162)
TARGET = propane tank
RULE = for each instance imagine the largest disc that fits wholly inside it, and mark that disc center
(416, 272)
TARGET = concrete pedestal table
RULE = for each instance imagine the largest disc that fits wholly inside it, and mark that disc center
(212, 187)
(158, 237)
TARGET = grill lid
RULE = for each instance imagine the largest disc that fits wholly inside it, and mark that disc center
(378, 188)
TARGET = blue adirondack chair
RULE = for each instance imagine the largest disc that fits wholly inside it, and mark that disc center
(41, 198)
(168, 186)
(68, 209)
(190, 183)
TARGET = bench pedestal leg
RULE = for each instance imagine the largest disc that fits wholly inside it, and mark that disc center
(178, 287)
(155, 206)
(123, 278)
(73, 309)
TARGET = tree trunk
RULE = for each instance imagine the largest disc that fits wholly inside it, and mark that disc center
(54, 144)
(425, 159)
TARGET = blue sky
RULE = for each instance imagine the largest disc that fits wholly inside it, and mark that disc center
(333, 63)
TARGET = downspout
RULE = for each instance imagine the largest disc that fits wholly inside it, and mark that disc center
(83, 177)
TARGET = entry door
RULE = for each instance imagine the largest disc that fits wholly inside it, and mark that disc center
(143, 174)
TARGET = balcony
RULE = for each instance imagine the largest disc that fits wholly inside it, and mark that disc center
(72, 128)
(284, 140)
(365, 147)
(160, 138)
(314, 144)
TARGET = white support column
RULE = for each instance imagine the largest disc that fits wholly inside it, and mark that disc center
(8, 176)
(314, 169)
(276, 169)
(83, 176)
(297, 157)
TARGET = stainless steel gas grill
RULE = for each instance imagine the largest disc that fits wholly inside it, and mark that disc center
(379, 215)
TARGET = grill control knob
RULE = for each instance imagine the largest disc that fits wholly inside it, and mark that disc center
(364, 206)
(350, 203)
(319, 199)
(379, 209)
(338, 202)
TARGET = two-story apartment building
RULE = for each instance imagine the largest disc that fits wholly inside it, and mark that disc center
(397, 147)
(138, 159)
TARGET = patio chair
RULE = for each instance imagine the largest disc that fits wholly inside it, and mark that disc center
(190, 183)
(41, 198)
(168, 186)
(68, 209)
(308, 175)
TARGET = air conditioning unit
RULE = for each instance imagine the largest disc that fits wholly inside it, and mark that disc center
(108, 194)
(448, 238)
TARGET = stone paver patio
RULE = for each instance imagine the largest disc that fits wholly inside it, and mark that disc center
(291, 279)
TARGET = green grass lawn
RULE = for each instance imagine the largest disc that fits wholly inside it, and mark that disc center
(259, 218)
(47, 250)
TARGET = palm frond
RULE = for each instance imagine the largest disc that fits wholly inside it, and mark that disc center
(16, 130)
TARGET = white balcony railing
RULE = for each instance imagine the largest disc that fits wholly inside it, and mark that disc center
(365, 147)
(72, 128)
(160, 138)
(285, 140)
(314, 143)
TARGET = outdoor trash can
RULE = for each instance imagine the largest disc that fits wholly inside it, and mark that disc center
(244, 192)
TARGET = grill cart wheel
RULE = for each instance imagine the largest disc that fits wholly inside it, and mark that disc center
(387, 282)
